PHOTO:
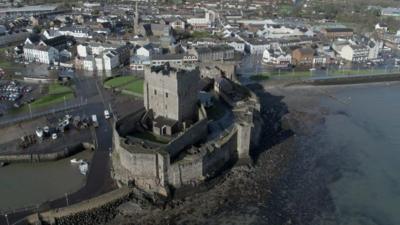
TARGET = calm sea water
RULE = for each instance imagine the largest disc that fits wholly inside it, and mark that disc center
(348, 172)
(26, 184)
(366, 133)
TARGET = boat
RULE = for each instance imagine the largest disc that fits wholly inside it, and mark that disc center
(83, 168)
(76, 161)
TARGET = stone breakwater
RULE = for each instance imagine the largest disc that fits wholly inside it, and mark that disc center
(44, 157)
(353, 79)
(95, 211)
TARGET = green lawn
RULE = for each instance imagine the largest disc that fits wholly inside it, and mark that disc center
(128, 83)
(360, 72)
(57, 93)
(135, 86)
(200, 34)
(266, 76)
(147, 135)
(119, 81)
(6, 64)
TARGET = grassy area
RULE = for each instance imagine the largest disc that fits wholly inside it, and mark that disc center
(57, 93)
(360, 72)
(51, 99)
(119, 81)
(6, 64)
(151, 137)
(285, 9)
(128, 83)
(266, 76)
(135, 86)
(200, 34)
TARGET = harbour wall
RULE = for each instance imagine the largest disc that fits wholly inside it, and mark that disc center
(353, 79)
(44, 157)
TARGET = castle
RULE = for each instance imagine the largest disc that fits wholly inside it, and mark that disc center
(168, 144)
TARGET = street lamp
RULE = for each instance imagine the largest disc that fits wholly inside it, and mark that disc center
(30, 110)
(66, 198)
(8, 222)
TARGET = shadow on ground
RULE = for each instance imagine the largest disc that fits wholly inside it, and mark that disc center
(272, 113)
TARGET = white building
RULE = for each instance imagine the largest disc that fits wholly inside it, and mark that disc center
(374, 47)
(257, 46)
(202, 22)
(76, 31)
(381, 27)
(280, 31)
(82, 50)
(89, 63)
(237, 44)
(276, 57)
(40, 53)
(354, 53)
(51, 33)
(144, 52)
(110, 60)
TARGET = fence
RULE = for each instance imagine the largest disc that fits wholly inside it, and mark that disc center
(44, 113)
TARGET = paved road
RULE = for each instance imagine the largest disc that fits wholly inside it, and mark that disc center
(99, 179)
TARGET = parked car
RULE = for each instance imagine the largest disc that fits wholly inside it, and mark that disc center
(107, 114)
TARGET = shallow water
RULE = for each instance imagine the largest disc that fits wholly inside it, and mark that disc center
(366, 134)
(348, 171)
(26, 184)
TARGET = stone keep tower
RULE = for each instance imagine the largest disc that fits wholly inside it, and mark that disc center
(171, 93)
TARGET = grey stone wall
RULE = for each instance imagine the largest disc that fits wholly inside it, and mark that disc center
(212, 158)
(43, 157)
(192, 135)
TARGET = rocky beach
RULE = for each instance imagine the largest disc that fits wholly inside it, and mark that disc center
(246, 192)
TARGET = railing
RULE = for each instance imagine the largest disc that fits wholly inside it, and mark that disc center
(40, 114)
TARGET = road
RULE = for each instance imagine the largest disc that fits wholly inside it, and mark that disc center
(99, 178)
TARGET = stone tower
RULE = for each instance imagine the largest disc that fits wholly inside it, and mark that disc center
(171, 93)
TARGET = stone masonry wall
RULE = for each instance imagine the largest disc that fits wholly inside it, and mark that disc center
(212, 158)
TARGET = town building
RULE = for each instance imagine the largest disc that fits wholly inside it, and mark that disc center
(40, 53)
(276, 57)
(173, 59)
(32, 10)
(202, 22)
(237, 44)
(214, 53)
(256, 46)
(76, 31)
(333, 33)
(354, 53)
(303, 56)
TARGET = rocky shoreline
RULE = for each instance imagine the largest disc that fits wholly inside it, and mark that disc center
(239, 195)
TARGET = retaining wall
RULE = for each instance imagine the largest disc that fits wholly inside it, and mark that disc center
(94, 211)
(43, 157)
(354, 79)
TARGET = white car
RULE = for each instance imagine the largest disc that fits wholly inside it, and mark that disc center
(107, 114)
(54, 136)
